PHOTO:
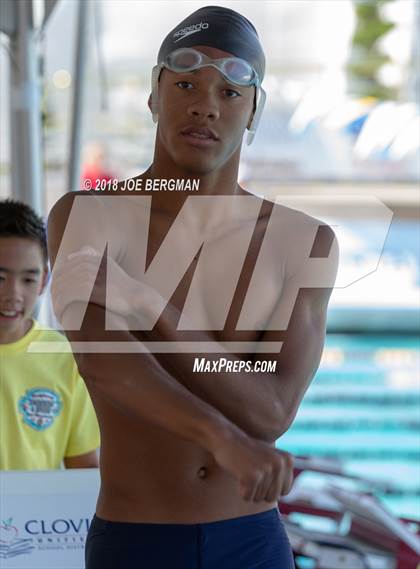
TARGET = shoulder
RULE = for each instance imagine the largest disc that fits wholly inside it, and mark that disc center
(45, 333)
(57, 353)
(300, 237)
(293, 225)
(92, 209)
(87, 202)
(55, 342)
(295, 220)
(78, 219)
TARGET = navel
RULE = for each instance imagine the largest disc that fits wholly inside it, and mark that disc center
(202, 472)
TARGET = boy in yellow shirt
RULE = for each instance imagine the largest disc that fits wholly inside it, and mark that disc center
(46, 415)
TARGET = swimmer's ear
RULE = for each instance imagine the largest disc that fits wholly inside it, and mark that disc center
(149, 102)
(152, 108)
(153, 98)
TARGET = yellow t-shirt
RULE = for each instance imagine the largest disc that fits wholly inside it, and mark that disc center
(45, 410)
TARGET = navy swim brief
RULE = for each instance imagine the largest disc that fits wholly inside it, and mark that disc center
(257, 541)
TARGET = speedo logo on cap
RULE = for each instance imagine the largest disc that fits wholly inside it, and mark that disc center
(180, 34)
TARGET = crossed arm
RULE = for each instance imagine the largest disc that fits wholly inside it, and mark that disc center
(140, 387)
(261, 404)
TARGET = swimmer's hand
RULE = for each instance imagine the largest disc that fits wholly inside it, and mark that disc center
(82, 278)
(263, 472)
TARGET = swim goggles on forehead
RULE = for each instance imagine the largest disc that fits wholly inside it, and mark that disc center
(235, 70)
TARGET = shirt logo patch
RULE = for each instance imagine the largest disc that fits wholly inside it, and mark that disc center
(40, 407)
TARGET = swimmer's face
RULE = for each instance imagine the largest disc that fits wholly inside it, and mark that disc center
(202, 117)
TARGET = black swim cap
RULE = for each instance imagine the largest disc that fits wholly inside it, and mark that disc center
(221, 28)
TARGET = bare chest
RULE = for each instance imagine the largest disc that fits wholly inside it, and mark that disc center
(209, 277)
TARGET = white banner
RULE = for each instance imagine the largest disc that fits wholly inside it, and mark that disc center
(45, 516)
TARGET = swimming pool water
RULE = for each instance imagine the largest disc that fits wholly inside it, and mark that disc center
(363, 407)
